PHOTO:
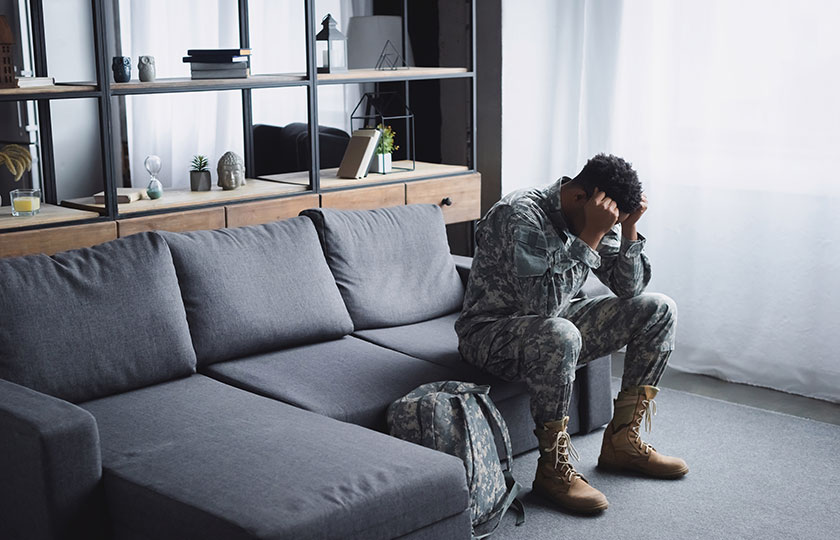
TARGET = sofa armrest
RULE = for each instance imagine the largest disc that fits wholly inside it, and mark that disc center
(463, 265)
(50, 467)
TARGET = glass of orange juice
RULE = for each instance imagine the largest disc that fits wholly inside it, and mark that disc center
(25, 202)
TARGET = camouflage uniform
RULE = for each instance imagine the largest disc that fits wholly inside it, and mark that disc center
(521, 321)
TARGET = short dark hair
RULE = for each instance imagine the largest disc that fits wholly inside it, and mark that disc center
(615, 177)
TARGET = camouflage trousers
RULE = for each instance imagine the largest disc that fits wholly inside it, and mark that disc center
(544, 352)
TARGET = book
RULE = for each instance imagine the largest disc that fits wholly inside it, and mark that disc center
(360, 149)
(29, 82)
(204, 66)
(219, 52)
(124, 195)
(215, 60)
(221, 74)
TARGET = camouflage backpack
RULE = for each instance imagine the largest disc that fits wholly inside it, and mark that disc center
(459, 418)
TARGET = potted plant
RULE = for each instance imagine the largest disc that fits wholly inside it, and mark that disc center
(384, 149)
(199, 174)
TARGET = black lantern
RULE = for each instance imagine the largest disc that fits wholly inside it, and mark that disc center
(330, 47)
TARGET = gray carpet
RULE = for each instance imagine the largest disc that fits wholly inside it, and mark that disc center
(754, 474)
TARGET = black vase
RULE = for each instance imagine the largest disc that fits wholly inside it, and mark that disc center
(122, 68)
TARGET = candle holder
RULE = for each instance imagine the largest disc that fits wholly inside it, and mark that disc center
(25, 202)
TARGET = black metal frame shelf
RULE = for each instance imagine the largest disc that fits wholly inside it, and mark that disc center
(103, 90)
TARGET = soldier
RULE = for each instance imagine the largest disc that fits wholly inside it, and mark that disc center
(521, 320)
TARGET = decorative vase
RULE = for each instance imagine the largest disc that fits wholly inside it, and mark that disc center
(200, 180)
(146, 67)
(121, 67)
(381, 163)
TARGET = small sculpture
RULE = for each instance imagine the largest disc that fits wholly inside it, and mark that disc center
(146, 66)
(121, 67)
(231, 171)
(155, 189)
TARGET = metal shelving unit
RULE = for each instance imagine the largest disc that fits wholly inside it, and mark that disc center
(103, 89)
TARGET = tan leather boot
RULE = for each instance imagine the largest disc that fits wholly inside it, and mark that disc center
(557, 479)
(623, 448)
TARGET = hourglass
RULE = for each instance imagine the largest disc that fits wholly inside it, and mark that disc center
(155, 189)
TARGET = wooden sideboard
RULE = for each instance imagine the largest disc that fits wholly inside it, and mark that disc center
(458, 196)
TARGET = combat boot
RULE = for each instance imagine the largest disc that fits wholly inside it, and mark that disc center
(623, 448)
(557, 479)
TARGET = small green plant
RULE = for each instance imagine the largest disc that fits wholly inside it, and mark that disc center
(199, 164)
(386, 142)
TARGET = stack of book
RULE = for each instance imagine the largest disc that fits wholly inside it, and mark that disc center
(218, 63)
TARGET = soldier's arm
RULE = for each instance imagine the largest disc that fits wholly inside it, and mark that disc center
(544, 275)
(625, 268)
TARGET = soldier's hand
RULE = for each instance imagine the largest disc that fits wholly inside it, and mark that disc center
(600, 214)
(634, 217)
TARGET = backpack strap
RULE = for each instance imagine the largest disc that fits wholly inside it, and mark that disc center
(498, 425)
(514, 488)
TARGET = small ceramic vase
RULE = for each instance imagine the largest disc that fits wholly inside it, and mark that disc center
(146, 66)
(121, 67)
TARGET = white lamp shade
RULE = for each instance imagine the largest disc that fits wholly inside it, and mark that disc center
(366, 37)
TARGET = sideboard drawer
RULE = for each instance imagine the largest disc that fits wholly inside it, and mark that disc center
(365, 198)
(193, 220)
(458, 196)
(51, 241)
(259, 212)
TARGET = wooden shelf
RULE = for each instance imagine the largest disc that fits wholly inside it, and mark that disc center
(51, 91)
(329, 180)
(370, 75)
(184, 198)
(49, 214)
(183, 84)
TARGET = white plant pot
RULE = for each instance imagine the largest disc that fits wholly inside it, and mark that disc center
(381, 163)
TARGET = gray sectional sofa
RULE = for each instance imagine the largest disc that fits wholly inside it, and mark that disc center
(233, 383)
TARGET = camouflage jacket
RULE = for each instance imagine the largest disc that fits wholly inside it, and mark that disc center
(527, 262)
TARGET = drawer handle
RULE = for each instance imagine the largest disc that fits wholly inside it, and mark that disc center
(446, 201)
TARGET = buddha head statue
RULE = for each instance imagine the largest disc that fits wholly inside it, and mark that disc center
(231, 171)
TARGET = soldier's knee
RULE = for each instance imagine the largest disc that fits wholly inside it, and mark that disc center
(561, 335)
(660, 306)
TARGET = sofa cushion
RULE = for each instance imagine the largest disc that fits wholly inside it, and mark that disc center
(197, 458)
(347, 379)
(392, 265)
(92, 322)
(255, 289)
(435, 341)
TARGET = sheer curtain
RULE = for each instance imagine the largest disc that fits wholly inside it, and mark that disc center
(728, 110)
(178, 126)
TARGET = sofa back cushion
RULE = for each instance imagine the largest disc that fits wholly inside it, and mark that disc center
(92, 322)
(392, 265)
(249, 290)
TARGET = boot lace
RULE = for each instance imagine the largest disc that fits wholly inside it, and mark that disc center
(646, 412)
(562, 449)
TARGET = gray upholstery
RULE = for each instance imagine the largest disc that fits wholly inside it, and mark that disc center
(254, 289)
(196, 458)
(392, 265)
(49, 468)
(347, 379)
(435, 341)
(93, 322)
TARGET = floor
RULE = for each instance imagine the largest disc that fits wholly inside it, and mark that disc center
(754, 396)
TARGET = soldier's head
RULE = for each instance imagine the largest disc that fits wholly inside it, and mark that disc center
(610, 174)
(615, 177)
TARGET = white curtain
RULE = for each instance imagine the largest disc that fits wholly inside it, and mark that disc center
(728, 110)
(178, 126)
